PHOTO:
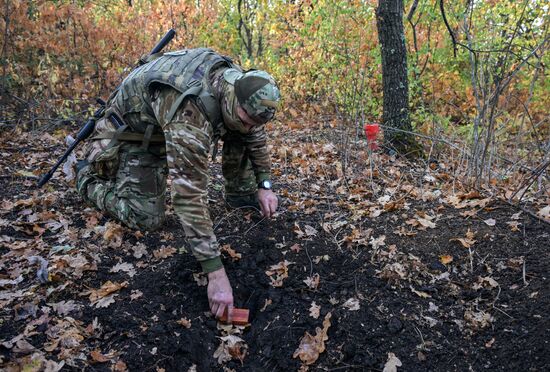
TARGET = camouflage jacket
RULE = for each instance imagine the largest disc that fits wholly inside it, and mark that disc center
(189, 143)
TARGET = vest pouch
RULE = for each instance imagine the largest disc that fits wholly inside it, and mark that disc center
(105, 165)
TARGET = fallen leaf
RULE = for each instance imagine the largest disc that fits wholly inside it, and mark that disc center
(65, 307)
(544, 213)
(378, 242)
(279, 272)
(136, 293)
(392, 363)
(105, 301)
(113, 234)
(120, 366)
(184, 322)
(490, 222)
(313, 281)
(426, 223)
(97, 357)
(310, 231)
(296, 248)
(352, 304)
(200, 279)
(107, 288)
(231, 252)
(514, 225)
(312, 346)
(314, 310)
(446, 259)
(466, 242)
(124, 266)
(231, 347)
(164, 252)
(478, 320)
(420, 293)
(139, 250)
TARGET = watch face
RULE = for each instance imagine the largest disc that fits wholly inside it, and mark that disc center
(265, 185)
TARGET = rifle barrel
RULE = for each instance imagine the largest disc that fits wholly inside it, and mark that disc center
(165, 40)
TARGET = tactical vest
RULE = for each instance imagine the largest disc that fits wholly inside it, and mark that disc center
(186, 70)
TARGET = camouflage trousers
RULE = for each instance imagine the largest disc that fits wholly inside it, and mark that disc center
(129, 181)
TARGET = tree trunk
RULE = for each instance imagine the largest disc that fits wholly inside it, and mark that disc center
(389, 21)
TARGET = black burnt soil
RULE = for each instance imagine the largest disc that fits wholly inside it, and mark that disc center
(424, 317)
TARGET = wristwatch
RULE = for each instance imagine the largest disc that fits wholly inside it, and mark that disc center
(265, 184)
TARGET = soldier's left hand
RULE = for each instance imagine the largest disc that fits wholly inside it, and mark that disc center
(268, 202)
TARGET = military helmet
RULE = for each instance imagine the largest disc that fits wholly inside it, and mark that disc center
(257, 93)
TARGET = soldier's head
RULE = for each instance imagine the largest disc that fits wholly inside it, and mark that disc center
(257, 96)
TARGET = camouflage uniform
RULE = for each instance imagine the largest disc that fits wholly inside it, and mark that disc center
(127, 179)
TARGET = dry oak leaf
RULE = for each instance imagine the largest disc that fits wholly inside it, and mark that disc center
(466, 242)
(107, 288)
(420, 293)
(392, 363)
(312, 346)
(124, 266)
(514, 225)
(113, 234)
(377, 242)
(231, 347)
(314, 310)
(296, 248)
(280, 271)
(164, 252)
(97, 357)
(490, 222)
(313, 281)
(231, 252)
(352, 304)
(545, 213)
(184, 322)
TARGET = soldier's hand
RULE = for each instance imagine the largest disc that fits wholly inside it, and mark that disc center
(268, 202)
(220, 294)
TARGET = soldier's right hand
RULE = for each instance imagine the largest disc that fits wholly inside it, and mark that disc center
(220, 294)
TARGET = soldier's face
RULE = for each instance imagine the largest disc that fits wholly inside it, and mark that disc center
(248, 122)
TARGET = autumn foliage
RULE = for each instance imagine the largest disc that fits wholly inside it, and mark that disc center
(60, 55)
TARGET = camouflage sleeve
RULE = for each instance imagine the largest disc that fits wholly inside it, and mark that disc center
(188, 136)
(256, 146)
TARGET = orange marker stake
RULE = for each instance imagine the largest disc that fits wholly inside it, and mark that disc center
(239, 316)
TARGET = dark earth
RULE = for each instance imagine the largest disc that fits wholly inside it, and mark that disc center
(432, 316)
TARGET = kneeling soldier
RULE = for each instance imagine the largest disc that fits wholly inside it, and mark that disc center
(161, 122)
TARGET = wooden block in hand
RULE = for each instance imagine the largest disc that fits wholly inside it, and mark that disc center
(239, 316)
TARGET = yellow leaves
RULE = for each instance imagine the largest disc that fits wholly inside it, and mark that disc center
(446, 259)
(279, 272)
(312, 346)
